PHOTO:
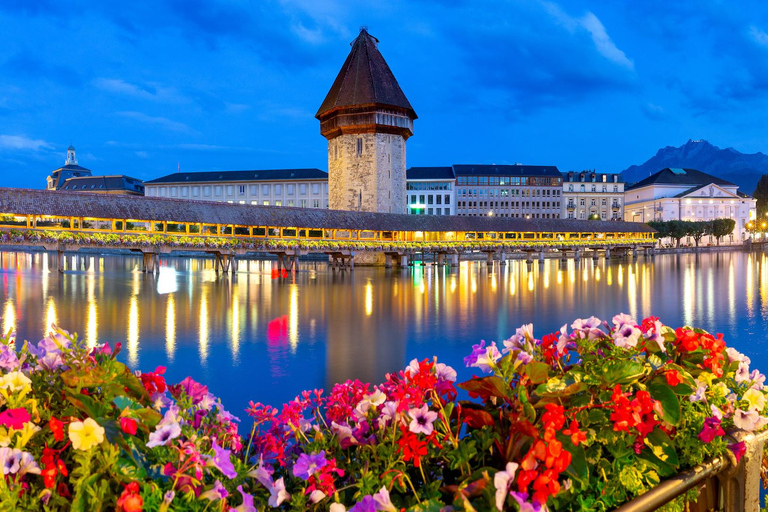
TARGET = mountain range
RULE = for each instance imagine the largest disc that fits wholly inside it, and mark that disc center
(729, 164)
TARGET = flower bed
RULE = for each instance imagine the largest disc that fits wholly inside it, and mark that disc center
(582, 419)
(270, 244)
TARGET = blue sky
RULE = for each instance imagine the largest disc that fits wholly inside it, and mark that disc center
(142, 87)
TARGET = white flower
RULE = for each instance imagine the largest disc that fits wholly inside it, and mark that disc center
(501, 482)
(422, 420)
(376, 398)
(749, 421)
(337, 507)
(316, 496)
(383, 503)
(277, 493)
(445, 372)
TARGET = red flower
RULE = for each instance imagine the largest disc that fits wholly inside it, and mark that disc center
(128, 425)
(554, 416)
(14, 418)
(154, 382)
(673, 377)
(130, 500)
(577, 436)
(412, 447)
(57, 428)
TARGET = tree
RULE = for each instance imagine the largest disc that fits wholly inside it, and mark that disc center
(722, 227)
(661, 227)
(677, 230)
(697, 230)
(761, 194)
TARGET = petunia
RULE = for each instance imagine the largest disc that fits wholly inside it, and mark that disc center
(388, 413)
(486, 359)
(194, 390)
(738, 449)
(521, 498)
(501, 481)
(563, 339)
(8, 359)
(316, 496)
(376, 398)
(421, 420)
(307, 465)
(524, 357)
(337, 507)
(750, 420)
(85, 434)
(742, 373)
(163, 434)
(758, 379)
(217, 492)
(367, 504)
(699, 394)
(27, 464)
(654, 335)
(222, 461)
(277, 493)
(445, 372)
(247, 505)
(735, 355)
(14, 418)
(9, 461)
(626, 334)
(383, 503)
(755, 398)
(14, 381)
(160, 401)
(710, 430)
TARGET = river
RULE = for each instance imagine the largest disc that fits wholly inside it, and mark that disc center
(261, 337)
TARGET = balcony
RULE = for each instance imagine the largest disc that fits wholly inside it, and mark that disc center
(571, 206)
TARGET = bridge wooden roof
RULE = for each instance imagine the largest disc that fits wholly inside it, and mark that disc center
(83, 204)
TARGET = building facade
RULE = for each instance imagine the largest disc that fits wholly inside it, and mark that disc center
(117, 184)
(592, 195)
(431, 191)
(303, 188)
(70, 170)
(366, 119)
(689, 194)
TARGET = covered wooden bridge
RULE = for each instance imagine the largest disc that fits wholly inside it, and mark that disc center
(158, 225)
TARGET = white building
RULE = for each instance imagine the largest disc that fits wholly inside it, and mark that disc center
(431, 191)
(305, 188)
(688, 194)
(590, 194)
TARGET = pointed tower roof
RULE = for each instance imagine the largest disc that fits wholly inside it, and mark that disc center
(365, 79)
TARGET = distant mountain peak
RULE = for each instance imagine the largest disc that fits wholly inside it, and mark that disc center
(729, 164)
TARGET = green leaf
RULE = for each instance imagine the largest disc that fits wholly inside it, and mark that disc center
(661, 446)
(486, 387)
(530, 412)
(537, 371)
(432, 505)
(622, 372)
(670, 405)
(578, 469)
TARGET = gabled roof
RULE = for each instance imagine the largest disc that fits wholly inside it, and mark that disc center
(104, 183)
(506, 170)
(699, 187)
(255, 175)
(430, 173)
(364, 79)
(677, 176)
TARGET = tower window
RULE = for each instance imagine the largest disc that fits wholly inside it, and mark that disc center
(359, 146)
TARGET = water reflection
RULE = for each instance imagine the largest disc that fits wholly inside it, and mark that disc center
(262, 337)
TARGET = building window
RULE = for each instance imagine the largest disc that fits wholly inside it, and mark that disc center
(278, 203)
(315, 203)
(581, 188)
(265, 189)
(174, 192)
(594, 201)
(582, 202)
(265, 203)
(430, 199)
(184, 191)
(303, 189)
(359, 146)
(290, 202)
(278, 190)
(290, 189)
(195, 191)
(447, 199)
(217, 190)
(254, 202)
(439, 199)
(230, 190)
(303, 203)
(254, 190)
(593, 188)
(241, 190)
(430, 211)
(316, 187)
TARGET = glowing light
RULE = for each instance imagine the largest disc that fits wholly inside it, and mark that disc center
(133, 332)
(235, 347)
(559, 277)
(597, 274)
(584, 274)
(9, 318)
(493, 282)
(453, 284)
(91, 334)
(170, 328)
(621, 275)
(202, 347)
(530, 281)
(293, 318)
(474, 285)
(50, 316)
(368, 299)
(166, 280)
(610, 277)
(546, 279)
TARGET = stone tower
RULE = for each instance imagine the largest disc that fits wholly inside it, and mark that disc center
(366, 119)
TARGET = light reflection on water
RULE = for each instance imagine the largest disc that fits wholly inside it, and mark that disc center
(255, 337)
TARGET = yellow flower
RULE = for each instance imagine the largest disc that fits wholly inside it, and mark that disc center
(5, 436)
(720, 389)
(29, 430)
(85, 434)
(755, 398)
(14, 381)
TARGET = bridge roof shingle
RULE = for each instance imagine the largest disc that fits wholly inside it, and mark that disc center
(84, 204)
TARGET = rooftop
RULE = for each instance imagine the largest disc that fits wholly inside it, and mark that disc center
(430, 173)
(677, 176)
(104, 183)
(506, 170)
(254, 175)
(365, 79)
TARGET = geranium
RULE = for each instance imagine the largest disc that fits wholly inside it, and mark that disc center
(57, 428)
(85, 434)
(128, 425)
(130, 500)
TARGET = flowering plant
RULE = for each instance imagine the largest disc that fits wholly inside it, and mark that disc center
(582, 419)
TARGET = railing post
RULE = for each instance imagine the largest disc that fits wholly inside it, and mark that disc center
(740, 483)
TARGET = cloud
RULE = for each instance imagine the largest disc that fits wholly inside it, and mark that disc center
(23, 143)
(163, 122)
(758, 35)
(148, 91)
(653, 111)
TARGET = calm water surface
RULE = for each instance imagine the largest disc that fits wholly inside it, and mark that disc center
(256, 337)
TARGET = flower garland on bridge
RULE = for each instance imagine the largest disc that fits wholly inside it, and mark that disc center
(266, 244)
(582, 419)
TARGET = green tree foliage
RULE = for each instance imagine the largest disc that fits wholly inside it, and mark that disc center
(761, 194)
(722, 227)
(697, 230)
(679, 229)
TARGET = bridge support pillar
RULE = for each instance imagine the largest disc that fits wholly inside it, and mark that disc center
(148, 262)
(607, 254)
(595, 255)
(502, 258)
(60, 261)
(529, 257)
(403, 261)
(634, 253)
(577, 254)
(235, 264)
(563, 255)
(440, 259)
(455, 260)
(489, 258)
(387, 261)
(541, 257)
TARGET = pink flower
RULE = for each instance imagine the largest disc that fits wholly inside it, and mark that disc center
(222, 461)
(307, 465)
(383, 503)
(502, 480)
(738, 449)
(194, 390)
(710, 430)
(422, 420)
(163, 434)
(14, 418)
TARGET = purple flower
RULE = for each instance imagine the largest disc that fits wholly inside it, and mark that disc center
(9, 461)
(483, 357)
(247, 505)
(367, 504)
(524, 357)
(563, 339)
(735, 355)
(8, 359)
(626, 334)
(383, 503)
(222, 461)
(710, 430)
(163, 434)
(194, 390)
(742, 374)
(654, 334)
(388, 413)
(522, 339)
(445, 372)
(521, 498)
(48, 351)
(738, 449)
(757, 379)
(160, 401)
(701, 389)
(421, 420)
(306, 465)
(587, 327)
(217, 492)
